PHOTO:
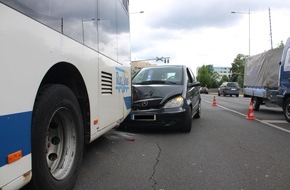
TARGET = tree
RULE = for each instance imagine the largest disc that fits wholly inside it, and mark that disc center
(225, 78)
(214, 80)
(207, 77)
(237, 69)
(280, 45)
(203, 76)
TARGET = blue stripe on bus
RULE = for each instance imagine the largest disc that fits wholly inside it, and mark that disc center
(120, 69)
(128, 102)
(15, 135)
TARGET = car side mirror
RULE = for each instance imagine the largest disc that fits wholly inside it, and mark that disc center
(193, 84)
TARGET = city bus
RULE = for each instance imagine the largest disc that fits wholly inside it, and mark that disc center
(65, 80)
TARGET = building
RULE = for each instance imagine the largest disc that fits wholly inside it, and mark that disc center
(137, 65)
(222, 71)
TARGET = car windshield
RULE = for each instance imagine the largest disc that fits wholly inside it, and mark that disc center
(159, 75)
(232, 84)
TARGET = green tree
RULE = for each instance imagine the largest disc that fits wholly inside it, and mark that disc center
(203, 76)
(214, 80)
(280, 45)
(237, 69)
(225, 78)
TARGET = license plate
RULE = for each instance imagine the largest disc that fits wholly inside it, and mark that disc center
(143, 117)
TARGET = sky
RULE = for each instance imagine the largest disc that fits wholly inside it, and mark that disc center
(196, 33)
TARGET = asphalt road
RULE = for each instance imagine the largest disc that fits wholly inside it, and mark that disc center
(223, 151)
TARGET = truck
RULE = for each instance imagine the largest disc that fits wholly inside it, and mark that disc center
(261, 78)
(283, 96)
(65, 78)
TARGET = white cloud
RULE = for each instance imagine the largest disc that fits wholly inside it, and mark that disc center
(205, 32)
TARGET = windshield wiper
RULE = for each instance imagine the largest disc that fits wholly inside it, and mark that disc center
(156, 82)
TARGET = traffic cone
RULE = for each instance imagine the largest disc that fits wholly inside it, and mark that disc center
(214, 104)
(250, 115)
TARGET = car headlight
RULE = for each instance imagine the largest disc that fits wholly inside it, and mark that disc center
(174, 103)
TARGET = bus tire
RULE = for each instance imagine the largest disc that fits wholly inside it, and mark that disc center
(57, 139)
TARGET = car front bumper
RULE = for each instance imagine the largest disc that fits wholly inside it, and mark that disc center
(157, 117)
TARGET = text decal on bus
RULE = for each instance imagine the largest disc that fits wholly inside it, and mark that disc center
(122, 80)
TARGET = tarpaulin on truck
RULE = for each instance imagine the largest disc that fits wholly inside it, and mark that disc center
(262, 70)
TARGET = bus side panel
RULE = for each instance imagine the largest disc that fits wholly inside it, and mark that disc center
(17, 174)
(15, 132)
(114, 90)
(18, 89)
(30, 50)
(111, 100)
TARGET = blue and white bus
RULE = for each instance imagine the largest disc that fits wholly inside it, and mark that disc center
(65, 80)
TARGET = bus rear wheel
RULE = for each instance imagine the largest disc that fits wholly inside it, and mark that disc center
(57, 139)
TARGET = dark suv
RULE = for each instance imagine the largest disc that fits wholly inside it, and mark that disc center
(165, 95)
(229, 88)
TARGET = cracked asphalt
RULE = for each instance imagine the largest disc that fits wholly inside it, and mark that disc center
(223, 151)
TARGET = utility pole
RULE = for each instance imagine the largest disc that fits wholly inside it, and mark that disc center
(270, 28)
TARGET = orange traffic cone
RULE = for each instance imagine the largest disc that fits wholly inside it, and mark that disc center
(214, 104)
(250, 115)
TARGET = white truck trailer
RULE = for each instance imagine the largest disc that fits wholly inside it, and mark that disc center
(261, 78)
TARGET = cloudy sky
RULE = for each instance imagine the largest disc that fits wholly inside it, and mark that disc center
(197, 33)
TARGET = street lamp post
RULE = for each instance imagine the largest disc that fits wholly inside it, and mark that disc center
(248, 13)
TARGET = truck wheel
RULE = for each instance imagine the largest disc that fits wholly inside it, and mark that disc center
(256, 103)
(287, 109)
(57, 139)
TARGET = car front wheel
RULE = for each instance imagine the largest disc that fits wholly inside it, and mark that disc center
(186, 126)
(198, 112)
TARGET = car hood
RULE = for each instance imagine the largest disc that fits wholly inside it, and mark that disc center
(153, 96)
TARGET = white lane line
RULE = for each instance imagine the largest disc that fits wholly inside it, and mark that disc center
(275, 121)
(266, 122)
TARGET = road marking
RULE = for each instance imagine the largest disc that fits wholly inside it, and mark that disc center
(274, 121)
(266, 122)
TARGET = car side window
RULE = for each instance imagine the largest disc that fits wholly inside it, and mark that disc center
(190, 75)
